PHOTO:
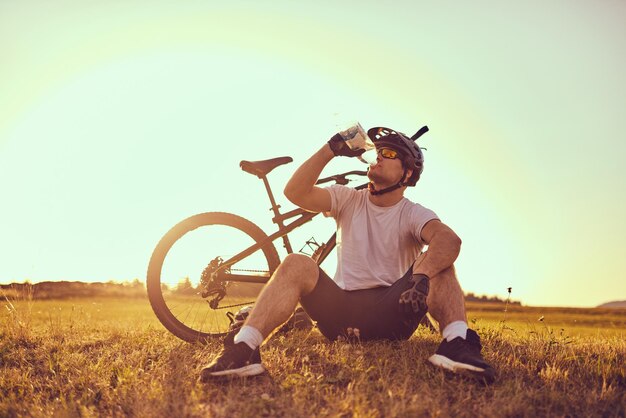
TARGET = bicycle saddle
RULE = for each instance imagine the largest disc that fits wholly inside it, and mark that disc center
(262, 168)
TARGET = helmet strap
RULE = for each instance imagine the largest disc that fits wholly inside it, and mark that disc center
(373, 191)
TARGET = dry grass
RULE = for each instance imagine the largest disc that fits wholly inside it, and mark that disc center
(111, 358)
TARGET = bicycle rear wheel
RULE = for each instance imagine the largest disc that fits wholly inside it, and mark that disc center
(190, 288)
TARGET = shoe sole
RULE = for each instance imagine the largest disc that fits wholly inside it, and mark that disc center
(456, 367)
(249, 370)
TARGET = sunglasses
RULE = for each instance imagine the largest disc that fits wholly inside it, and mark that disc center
(388, 153)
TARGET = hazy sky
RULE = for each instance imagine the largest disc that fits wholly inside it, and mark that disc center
(118, 119)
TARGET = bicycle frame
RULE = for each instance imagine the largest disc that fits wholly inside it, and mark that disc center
(279, 218)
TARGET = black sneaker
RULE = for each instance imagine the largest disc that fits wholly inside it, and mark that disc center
(463, 355)
(235, 360)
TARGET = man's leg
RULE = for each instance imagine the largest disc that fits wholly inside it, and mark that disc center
(446, 302)
(296, 276)
(460, 348)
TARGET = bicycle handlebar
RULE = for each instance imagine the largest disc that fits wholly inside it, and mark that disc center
(341, 178)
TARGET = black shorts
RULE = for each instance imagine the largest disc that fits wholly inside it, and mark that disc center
(374, 312)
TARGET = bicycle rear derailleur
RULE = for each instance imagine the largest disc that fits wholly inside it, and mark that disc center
(212, 284)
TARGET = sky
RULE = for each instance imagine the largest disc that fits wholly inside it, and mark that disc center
(119, 119)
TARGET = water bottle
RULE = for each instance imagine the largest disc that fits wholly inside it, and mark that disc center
(356, 138)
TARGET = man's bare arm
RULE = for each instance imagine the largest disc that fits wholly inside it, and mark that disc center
(444, 246)
(301, 189)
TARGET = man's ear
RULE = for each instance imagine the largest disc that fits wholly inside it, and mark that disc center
(406, 178)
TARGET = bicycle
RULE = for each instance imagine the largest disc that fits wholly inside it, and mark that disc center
(234, 272)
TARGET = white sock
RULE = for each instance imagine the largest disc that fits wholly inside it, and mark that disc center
(250, 336)
(455, 329)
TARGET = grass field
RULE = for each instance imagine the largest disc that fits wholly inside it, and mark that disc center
(111, 357)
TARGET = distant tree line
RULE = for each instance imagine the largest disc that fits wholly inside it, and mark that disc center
(66, 290)
(470, 297)
(136, 289)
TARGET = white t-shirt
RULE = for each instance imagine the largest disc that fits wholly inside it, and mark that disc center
(375, 245)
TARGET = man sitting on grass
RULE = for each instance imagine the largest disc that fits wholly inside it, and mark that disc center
(384, 283)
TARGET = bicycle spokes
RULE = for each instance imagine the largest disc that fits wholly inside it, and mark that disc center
(207, 290)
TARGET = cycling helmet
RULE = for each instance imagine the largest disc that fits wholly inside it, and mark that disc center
(411, 154)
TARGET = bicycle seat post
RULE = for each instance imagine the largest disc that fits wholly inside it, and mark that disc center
(275, 208)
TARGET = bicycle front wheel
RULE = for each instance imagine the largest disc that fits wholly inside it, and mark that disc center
(190, 287)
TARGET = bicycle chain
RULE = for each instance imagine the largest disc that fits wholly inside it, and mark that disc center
(251, 271)
(236, 305)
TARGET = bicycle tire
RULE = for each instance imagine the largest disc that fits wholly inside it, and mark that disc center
(155, 280)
